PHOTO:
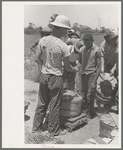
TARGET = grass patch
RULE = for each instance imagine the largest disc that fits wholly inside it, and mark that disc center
(30, 67)
(28, 93)
(38, 138)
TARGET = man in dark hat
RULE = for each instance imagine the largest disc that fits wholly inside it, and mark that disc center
(109, 54)
(89, 71)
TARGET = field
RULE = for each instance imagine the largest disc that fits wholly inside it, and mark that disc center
(30, 67)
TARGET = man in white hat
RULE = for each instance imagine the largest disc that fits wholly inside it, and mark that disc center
(52, 51)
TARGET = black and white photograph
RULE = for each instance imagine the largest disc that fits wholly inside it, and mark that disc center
(66, 59)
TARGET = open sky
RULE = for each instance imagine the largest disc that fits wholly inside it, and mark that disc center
(84, 13)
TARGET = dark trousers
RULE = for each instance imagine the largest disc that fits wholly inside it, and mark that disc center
(87, 91)
(49, 97)
(70, 78)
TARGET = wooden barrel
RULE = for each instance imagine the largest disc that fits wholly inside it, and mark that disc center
(107, 124)
(101, 94)
(71, 104)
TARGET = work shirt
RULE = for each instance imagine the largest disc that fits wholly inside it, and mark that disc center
(110, 55)
(53, 50)
(73, 57)
(88, 60)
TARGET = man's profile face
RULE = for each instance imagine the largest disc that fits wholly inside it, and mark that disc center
(63, 32)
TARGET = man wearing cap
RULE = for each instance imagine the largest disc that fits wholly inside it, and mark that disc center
(109, 54)
(52, 51)
(69, 77)
(90, 61)
(74, 37)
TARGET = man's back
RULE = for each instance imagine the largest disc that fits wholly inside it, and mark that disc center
(53, 50)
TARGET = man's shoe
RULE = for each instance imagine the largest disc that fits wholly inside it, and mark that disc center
(62, 132)
(91, 115)
(37, 130)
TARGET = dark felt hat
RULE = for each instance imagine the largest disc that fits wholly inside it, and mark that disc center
(110, 36)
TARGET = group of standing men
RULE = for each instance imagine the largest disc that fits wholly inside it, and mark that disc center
(59, 61)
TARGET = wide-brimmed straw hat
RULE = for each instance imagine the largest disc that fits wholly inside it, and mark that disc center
(110, 36)
(61, 21)
(78, 46)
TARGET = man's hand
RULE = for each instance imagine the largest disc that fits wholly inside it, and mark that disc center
(76, 69)
(78, 65)
(102, 70)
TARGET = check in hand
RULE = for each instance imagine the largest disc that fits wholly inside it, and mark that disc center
(76, 69)
(102, 70)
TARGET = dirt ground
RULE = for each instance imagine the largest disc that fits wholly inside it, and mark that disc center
(77, 136)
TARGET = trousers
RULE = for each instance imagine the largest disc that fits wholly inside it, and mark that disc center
(70, 78)
(49, 96)
(88, 92)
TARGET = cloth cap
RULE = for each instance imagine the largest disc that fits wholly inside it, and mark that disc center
(72, 41)
(78, 45)
(88, 36)
(61, 21)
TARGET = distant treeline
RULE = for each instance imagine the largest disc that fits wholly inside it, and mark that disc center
(32, 30)
(82, 29)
